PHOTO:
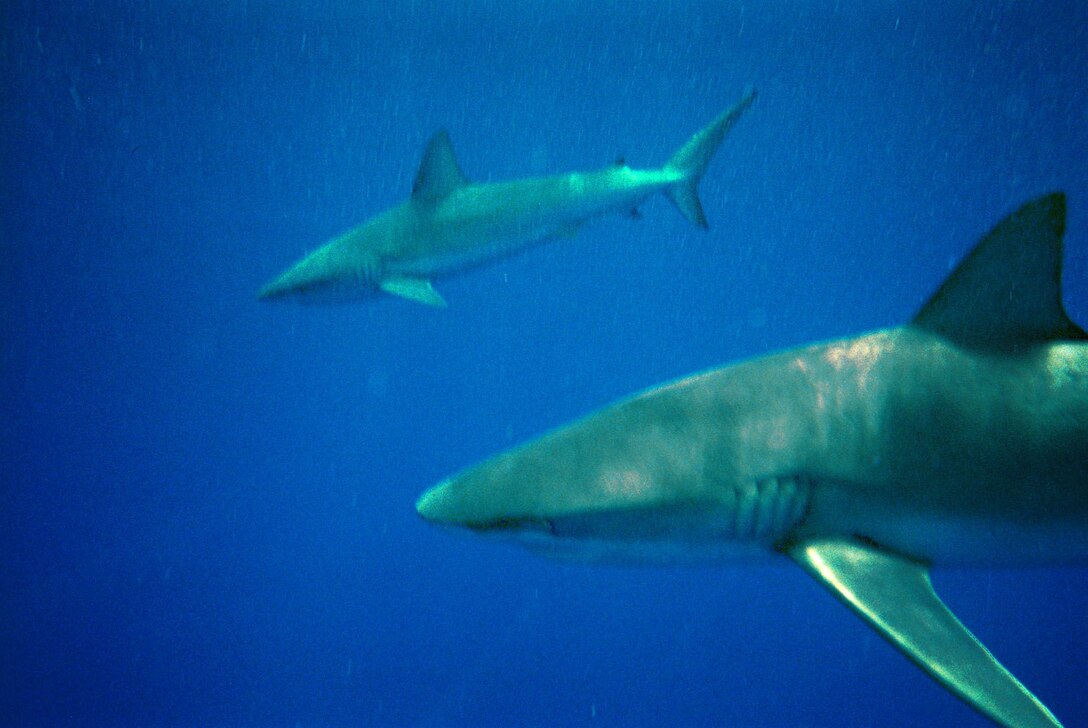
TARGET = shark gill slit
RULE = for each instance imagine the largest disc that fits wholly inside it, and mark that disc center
(767, 509)
(369, 272)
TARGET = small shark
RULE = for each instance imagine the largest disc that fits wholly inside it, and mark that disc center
(450, 224)
(959, 439)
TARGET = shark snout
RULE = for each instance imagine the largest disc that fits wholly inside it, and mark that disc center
(303, 279)
(317, 277)
(312, 286)
(446, 505)
(458, 502)
(296, 279)
(434, 505)
(275, 289)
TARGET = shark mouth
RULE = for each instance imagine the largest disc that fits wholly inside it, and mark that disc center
(764, 511)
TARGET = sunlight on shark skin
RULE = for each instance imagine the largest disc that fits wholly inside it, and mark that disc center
(450, 225)
(960, 439)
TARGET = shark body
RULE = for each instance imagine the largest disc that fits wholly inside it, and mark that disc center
(449, 224)
(959, 439)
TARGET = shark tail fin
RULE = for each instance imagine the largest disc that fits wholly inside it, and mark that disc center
(692, 159)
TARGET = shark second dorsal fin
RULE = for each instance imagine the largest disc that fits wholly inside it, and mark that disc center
(1006, 294)
(438, 173)
(894, 595)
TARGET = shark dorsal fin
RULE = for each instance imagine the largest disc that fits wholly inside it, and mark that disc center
(438, 173)
(1006, 294)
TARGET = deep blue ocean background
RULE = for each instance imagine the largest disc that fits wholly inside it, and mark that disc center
(207, 501)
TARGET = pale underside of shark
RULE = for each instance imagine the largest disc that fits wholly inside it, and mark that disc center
(449, 224)
(959, 439)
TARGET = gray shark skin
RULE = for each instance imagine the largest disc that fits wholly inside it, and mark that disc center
(449, 224)
(958, 439)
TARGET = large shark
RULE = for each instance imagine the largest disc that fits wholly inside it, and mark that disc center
(450, 224)
(959, 439)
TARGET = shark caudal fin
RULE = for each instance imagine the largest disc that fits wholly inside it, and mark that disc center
(692, 160)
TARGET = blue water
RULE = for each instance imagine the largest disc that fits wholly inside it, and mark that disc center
(207, 507)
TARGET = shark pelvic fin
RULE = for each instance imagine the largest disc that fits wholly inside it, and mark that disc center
(439, 173)
(894, 595)
(692, 159)
(1006, 294)
(419, 290)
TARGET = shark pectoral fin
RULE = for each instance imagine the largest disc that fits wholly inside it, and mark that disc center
(894, 595)
(414, 289)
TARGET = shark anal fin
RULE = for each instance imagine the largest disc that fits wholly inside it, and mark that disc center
(419, 290)
(1006, 294)
(894, 595)
(439, 174)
